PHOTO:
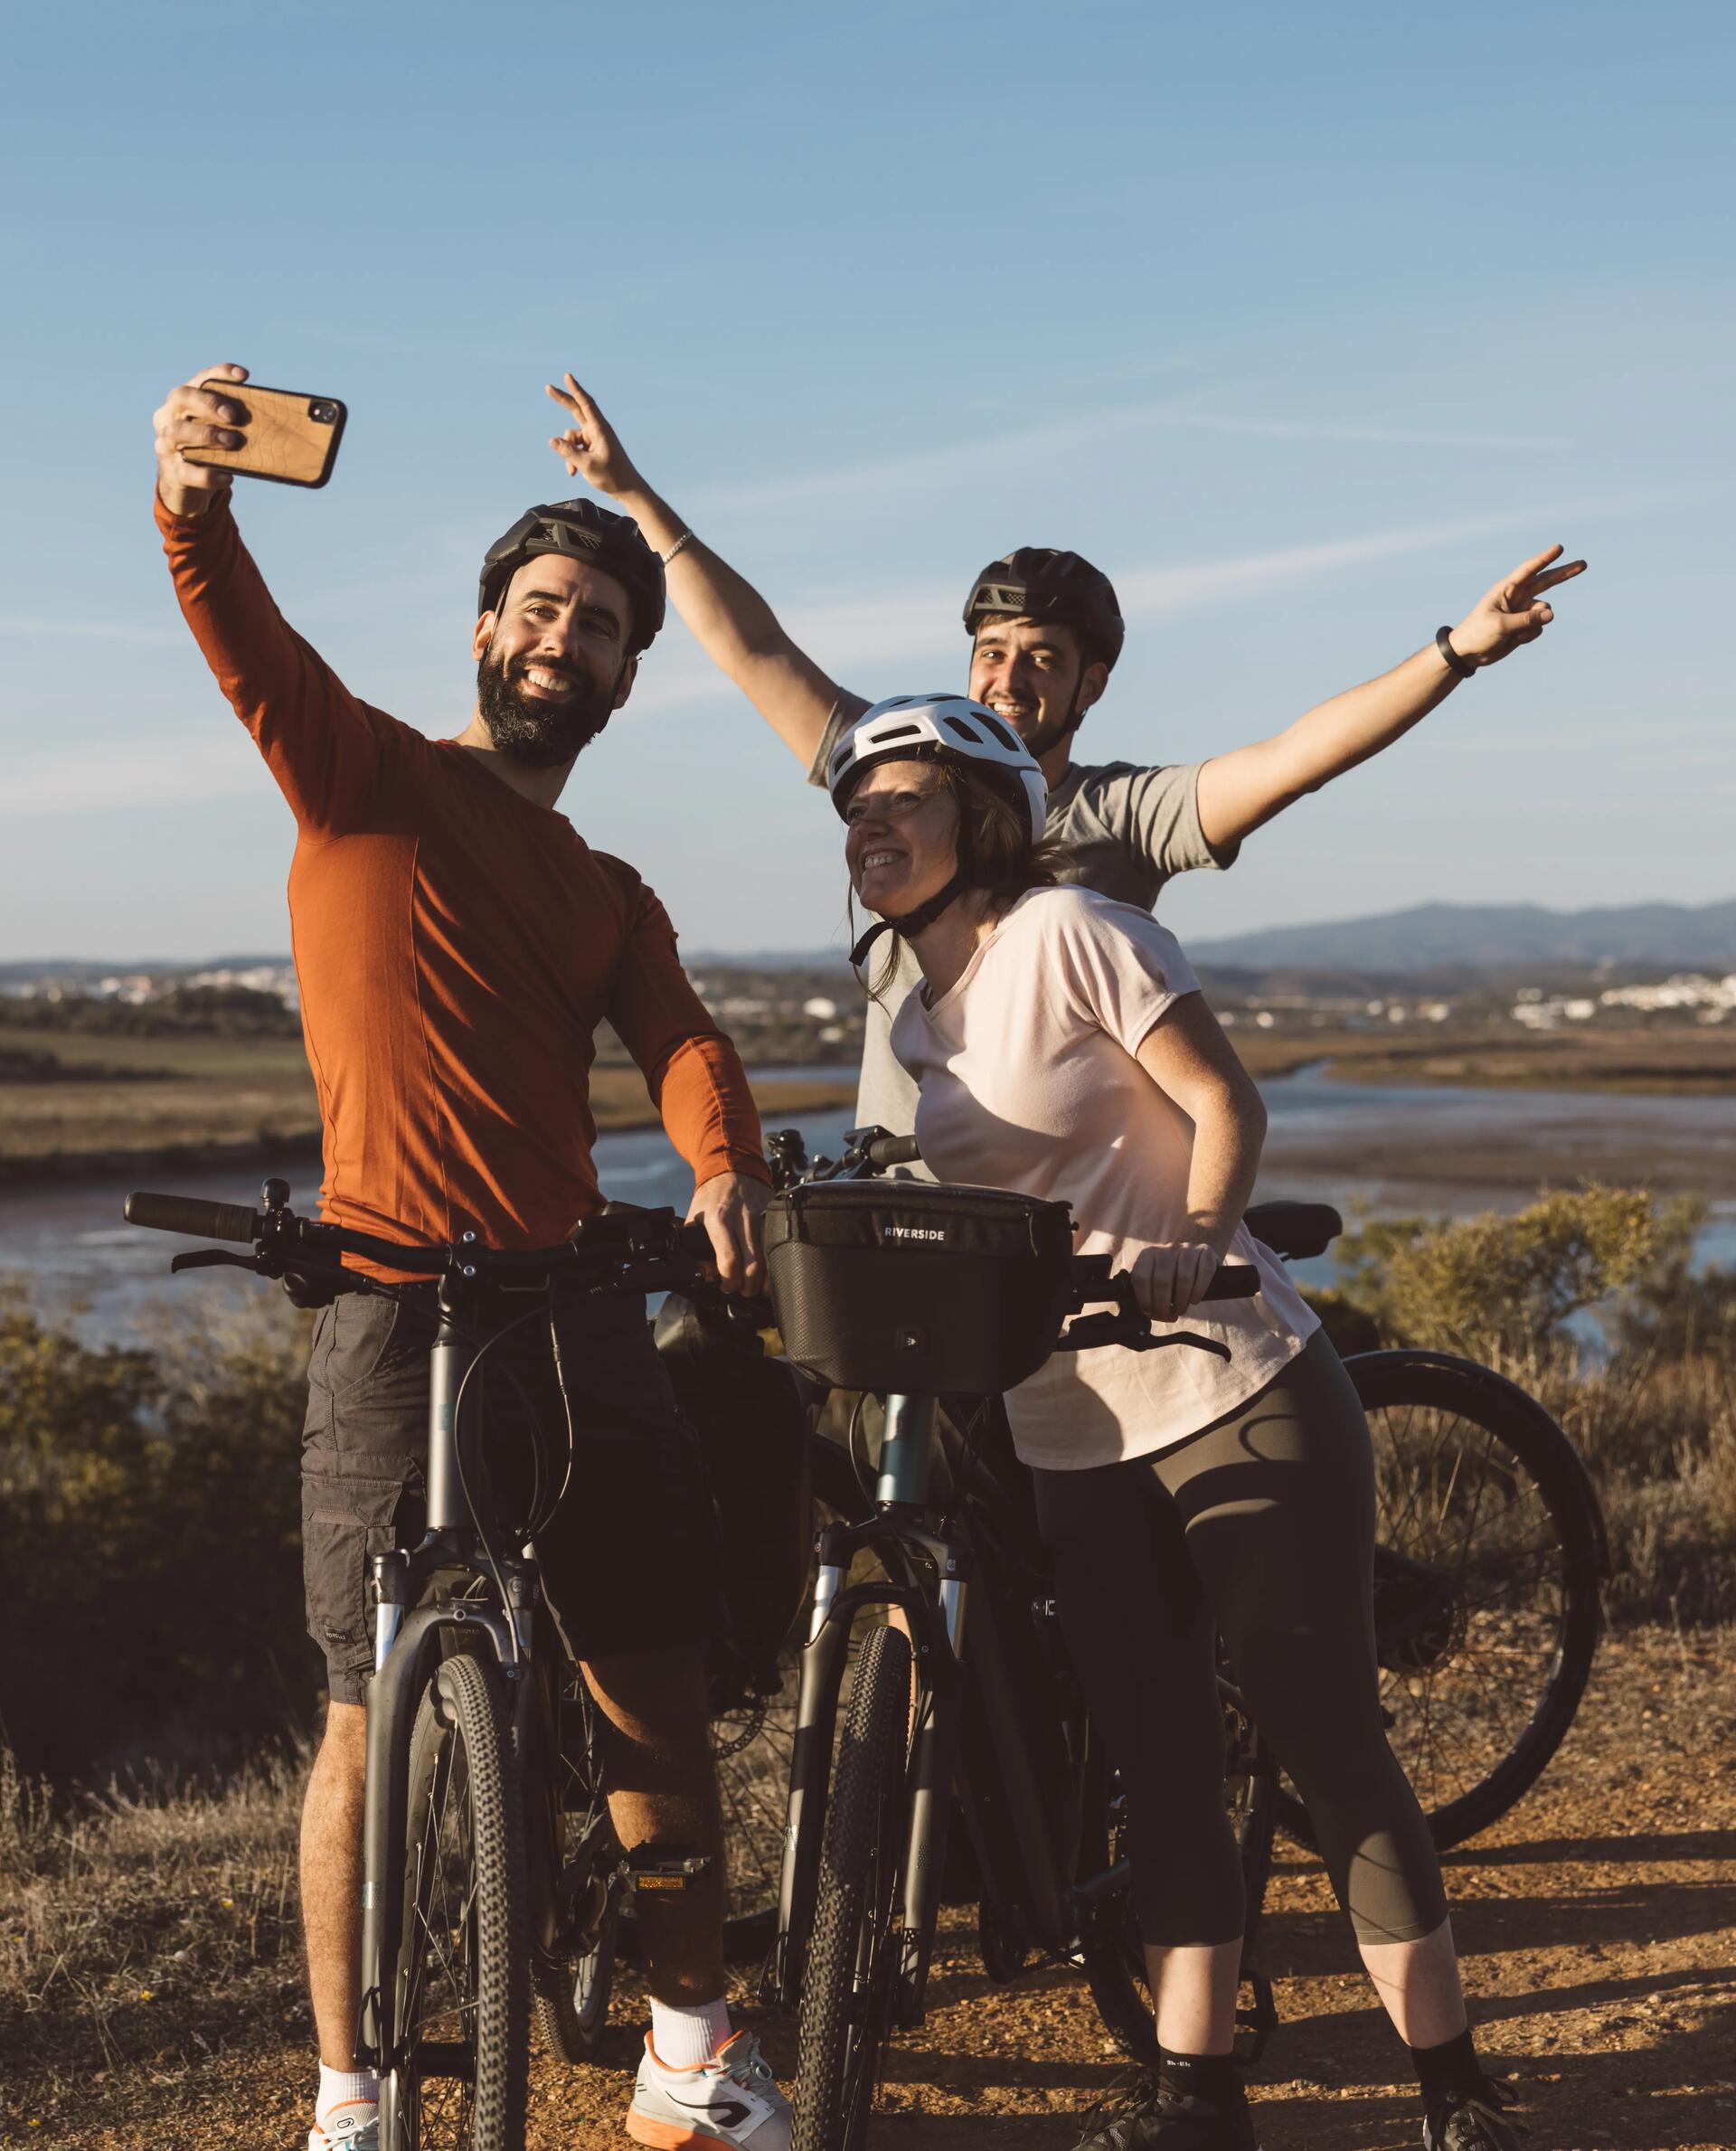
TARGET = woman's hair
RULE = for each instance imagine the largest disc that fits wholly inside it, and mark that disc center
(996, 852)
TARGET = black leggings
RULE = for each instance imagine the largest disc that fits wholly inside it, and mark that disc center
(1259, 1529)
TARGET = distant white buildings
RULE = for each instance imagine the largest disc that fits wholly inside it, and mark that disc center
(1710, 1000)
(137, 987)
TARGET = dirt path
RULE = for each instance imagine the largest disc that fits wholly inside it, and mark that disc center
(1597, 1923)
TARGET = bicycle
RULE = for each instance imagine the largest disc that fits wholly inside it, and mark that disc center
(491, 1876)
(1491, 1551)
(942, 1717)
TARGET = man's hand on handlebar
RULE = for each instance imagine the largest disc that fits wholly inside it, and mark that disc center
(731, 1206)
(191, 417)
(1168, 1280)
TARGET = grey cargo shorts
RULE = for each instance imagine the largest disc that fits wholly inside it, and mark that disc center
(629, 1557)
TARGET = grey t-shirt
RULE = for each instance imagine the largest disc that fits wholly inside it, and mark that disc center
(1126, 831)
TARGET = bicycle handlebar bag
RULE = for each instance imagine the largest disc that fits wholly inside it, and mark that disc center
(907, 1286)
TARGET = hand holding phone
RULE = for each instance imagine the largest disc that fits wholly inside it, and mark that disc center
(286, 434)
(218, 423)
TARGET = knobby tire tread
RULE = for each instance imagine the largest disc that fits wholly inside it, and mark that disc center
(864, 1815)
(481, 1727)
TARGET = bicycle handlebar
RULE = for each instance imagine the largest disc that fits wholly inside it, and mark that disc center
(645, 1233)
(882, 1151)
(199, 1220)
(1231, 1280)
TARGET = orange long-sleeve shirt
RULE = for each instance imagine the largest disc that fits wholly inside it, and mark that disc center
(457, 946)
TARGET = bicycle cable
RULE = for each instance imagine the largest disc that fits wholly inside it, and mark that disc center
(488, 1553)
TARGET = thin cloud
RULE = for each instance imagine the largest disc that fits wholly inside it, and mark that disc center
(930, 467)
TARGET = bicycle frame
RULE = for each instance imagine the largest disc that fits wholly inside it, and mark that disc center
(408, 1645)
(967, 1738)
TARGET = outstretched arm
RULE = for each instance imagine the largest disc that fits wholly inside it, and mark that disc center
(731, 621)
(333, 757)
(1240, 790)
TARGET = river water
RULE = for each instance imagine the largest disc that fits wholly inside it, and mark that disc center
(1342, 1143)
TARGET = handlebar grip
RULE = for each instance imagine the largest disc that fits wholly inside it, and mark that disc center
(693, 1241)
(893, 1150)
(197, 1219)
(1234, 1280)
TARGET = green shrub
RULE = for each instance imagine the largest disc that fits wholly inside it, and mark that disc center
(1506, 1286)
(1653, 1412)
(151, 1571)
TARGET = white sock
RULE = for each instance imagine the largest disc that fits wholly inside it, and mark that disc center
(688, 2038)
(337, 2085)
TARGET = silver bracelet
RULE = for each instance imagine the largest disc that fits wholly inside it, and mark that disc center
(686, 538)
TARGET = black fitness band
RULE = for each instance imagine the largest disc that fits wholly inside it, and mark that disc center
(1463, 666)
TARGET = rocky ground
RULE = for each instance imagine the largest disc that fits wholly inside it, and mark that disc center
(1598, 1924)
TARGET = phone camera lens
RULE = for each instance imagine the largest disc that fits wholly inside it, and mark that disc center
(322, 413)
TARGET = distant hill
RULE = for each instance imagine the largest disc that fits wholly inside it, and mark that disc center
(1437, 937)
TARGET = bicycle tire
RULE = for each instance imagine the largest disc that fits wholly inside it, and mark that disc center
(1509, 1669)
(571, 1993)
(1111, 1953)
(461, 1980)
(849, 1985)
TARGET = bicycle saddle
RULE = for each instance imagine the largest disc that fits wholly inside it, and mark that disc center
(1295, 1229)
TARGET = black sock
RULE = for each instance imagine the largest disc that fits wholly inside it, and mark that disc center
(1214, 2077)
(1451, 2067)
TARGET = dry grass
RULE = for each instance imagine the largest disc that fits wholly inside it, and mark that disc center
(144, 1930)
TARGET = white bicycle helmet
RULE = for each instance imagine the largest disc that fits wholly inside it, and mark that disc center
(939, 727)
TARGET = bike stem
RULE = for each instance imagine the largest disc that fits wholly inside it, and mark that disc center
(903, 1481)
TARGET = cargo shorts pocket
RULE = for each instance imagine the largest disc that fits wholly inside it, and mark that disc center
(344, 1522)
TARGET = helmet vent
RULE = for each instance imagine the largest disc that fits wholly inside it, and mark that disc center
(899, 731)
(1003, 732)
(964, 730)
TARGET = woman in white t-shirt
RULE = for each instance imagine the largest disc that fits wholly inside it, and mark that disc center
(1063, 1048)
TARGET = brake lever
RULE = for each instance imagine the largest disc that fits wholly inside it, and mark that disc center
(212, 1258)
(1085, 1332)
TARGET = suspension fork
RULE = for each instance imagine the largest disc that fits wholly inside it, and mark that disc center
(810, 1771)
(930, 1784)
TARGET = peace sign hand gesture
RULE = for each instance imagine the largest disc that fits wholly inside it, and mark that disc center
(1513, 611)
(589, 448)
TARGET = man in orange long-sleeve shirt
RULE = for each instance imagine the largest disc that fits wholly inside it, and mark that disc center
(458, 942)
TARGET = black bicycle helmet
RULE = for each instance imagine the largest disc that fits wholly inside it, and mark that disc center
(1039, 583)
(583, 532)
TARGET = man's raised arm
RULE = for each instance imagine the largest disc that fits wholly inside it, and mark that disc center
(1241, 790)
(329, 752)
(731, 621)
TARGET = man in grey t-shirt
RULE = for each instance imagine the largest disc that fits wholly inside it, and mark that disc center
(1045, 632)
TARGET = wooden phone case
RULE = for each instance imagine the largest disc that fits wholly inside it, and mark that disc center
(285, 442)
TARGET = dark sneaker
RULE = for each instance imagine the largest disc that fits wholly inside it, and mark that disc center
(1473, 2121)
(1152, 2118)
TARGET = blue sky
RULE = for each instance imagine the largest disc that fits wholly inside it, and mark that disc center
(1305, 322)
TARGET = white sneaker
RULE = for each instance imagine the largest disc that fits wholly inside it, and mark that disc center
(732, 2099)
(351, 2125)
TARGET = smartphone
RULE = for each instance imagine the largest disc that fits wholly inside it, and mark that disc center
(289, 438)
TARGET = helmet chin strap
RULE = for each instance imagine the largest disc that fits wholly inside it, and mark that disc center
(911, 923)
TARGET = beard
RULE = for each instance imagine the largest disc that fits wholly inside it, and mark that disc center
(532, 729)
(1040, 737)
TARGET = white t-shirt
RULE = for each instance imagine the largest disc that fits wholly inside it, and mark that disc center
(1028, 1080)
